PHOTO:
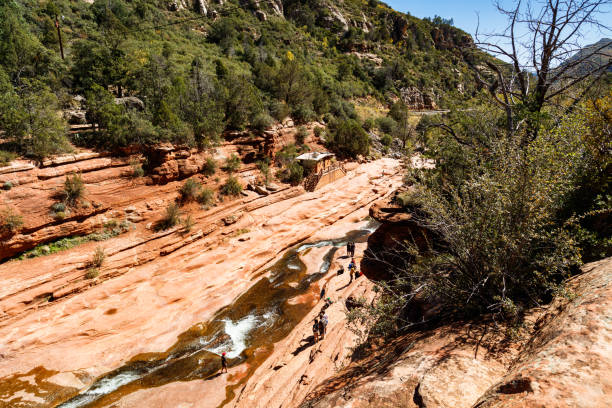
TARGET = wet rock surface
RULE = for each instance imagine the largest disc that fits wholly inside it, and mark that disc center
(141, 301)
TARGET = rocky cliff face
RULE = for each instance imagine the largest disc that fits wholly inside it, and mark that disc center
(387, 246)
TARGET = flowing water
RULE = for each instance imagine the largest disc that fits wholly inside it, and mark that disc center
(260, 317)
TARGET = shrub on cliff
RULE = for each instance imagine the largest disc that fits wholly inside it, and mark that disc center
(232, 187)
(206, 197)
(505, 238)
(73, 191)
(189, 191)
(264, 168)
(210, 167)
(10, 222)
(262, 121)
(293, 174)
(232, 163)
(300, 135)
(98, 257)
(172, 217)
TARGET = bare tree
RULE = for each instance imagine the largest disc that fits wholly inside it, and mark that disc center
(540, 49)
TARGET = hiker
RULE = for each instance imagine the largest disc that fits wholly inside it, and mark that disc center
(325, 321)
(350, 249)
(315, 330)
(223, 362)
(352, 267)
(322, 292)
(321, 328)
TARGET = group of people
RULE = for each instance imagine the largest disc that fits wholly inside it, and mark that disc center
(350, 249)
(319, 327)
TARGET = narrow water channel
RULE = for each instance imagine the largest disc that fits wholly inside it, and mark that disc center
(260, 317)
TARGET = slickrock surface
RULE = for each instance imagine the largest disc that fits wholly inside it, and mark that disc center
(568, 363)
(142, 300)
(564, 359)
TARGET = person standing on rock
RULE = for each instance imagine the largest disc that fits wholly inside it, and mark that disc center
(223, 362)
(350, 249)
(315, 330)
(321, 328)
(325, 321)
(352, 268)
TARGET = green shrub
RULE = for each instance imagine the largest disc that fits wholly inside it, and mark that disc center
(386, 124)
(369, 124)
(232, 187)
(92, 273)
(98, 257)
(262, 121)
(232, 163)
(189, 191)
(286, 155)
(293, 173)
(58, 207)
(10, 222)
(187, 223)
(386, 140)
(280, 110)
(300, 135)
(171, 217)
(6, 157)
(318, 131)
(73, 191)
(206, 197)
(59, 215)
(7, 185)
(264, 168)
(210, 167)
(303, 114)
(137, 170)
(348, 139)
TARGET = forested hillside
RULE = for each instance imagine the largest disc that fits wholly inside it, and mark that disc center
(203, 67)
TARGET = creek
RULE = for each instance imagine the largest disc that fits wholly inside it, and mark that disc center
(256, 320)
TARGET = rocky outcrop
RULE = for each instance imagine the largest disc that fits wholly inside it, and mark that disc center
(569, 360)
(388, 245)
(417, 99)
(130, 102)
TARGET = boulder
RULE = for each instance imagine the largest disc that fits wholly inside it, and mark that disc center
(386, 251)
(130, 102)
(75, 117)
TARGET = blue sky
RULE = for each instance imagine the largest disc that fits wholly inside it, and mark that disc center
(463, 12)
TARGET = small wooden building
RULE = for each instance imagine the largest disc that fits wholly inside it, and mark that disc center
(316, 162)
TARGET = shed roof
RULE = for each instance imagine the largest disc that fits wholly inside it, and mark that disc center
(316, 156)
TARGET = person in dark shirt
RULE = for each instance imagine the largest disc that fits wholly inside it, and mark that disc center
(223, 362)
(315, 330)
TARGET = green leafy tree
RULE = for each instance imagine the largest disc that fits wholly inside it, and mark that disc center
(242, 103)
(30, 119)
(348, 139)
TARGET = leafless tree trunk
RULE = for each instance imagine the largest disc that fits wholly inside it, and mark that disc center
(540, 53)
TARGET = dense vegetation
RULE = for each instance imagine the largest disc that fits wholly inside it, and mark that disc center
(519, 197)
(199, 75)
